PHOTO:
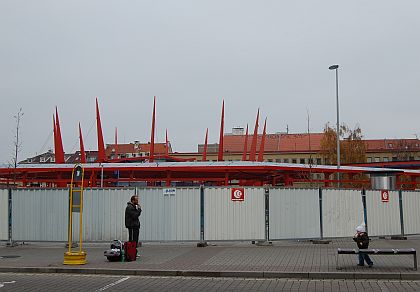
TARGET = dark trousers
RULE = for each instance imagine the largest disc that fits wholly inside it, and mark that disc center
(364, 257)
(133, 235)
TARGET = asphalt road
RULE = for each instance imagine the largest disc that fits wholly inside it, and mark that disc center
(66, 282)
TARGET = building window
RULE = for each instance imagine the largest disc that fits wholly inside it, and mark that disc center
(286, 160)
(302, 161)
(394, 158)
(318, 161)
(369, 159)
(278, 160)
(411, 157)
(294, 160)
(377, 159)
(385, 159)
(42, 159)
(270, 160)
(389, 145)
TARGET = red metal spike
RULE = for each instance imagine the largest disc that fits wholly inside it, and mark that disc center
(222, 122)
(101, 146)
(55, 138)
(262, 145)
(166, 144)
(253, 151)
(82, 147)
(116, 143)
(245, 145)
(205, 146)
(59, 151)
(152, 136)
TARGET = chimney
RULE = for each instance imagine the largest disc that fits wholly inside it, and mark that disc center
(236, 131)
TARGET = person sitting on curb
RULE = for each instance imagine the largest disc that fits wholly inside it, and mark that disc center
(362, 239)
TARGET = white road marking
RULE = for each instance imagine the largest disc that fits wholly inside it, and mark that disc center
(113, 284)
(2, 283)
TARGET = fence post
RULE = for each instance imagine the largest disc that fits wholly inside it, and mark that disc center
(364, 208)
(9, 225)
(202, 243)
(401, 212)
(267, 213)
(320, 214)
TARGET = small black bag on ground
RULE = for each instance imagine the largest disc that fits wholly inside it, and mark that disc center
(115, 253)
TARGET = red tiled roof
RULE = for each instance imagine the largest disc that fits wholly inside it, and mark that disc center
(275, 142)
(300, 143)
(393, 144)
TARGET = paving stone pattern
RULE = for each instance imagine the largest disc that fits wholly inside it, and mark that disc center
(281, 256)
(64, 282)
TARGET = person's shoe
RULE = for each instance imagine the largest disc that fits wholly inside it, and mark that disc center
(370, 265)
(361, 265)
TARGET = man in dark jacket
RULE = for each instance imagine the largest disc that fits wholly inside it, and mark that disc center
(132, 222)
(362, 240)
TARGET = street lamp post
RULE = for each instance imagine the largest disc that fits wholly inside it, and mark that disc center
(335, 67)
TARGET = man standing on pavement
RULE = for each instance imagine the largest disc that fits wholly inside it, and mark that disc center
(132, 222)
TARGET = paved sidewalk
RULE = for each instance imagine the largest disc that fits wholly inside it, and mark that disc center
(282, 259)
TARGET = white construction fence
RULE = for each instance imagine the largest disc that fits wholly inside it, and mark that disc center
(210, 213)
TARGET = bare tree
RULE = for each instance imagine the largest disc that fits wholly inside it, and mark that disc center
(17, 143)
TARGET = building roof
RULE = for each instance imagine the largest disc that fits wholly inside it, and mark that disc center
(310, 143)
(393, 144)
(275, 142)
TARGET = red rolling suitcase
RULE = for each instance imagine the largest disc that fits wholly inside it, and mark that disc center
(130, 251)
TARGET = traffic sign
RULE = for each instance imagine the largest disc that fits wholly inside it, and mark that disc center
(238, 194)
(385, 196)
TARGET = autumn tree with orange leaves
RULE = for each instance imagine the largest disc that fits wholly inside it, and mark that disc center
(352, 146)
(352, 150)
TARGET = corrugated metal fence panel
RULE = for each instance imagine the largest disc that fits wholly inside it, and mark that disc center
(40, 215)
(294, 213)
(4, 214)
(169, 217)
(383, 218)
(342, 211)
(225, 219)
(411, 207)
(103, 214)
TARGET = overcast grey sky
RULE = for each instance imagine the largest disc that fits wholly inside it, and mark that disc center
(192, 54)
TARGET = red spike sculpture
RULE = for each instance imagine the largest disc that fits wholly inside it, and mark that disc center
(59, 151)
(262, 145)
(166, 144)
(222, 122)
(152, 136)
(245, 145)
(253, 151)
(82, 147)
(116, 143)
(101, 146)
(55, 137)
(205, 146)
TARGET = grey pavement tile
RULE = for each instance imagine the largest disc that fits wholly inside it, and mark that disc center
(282, 256)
